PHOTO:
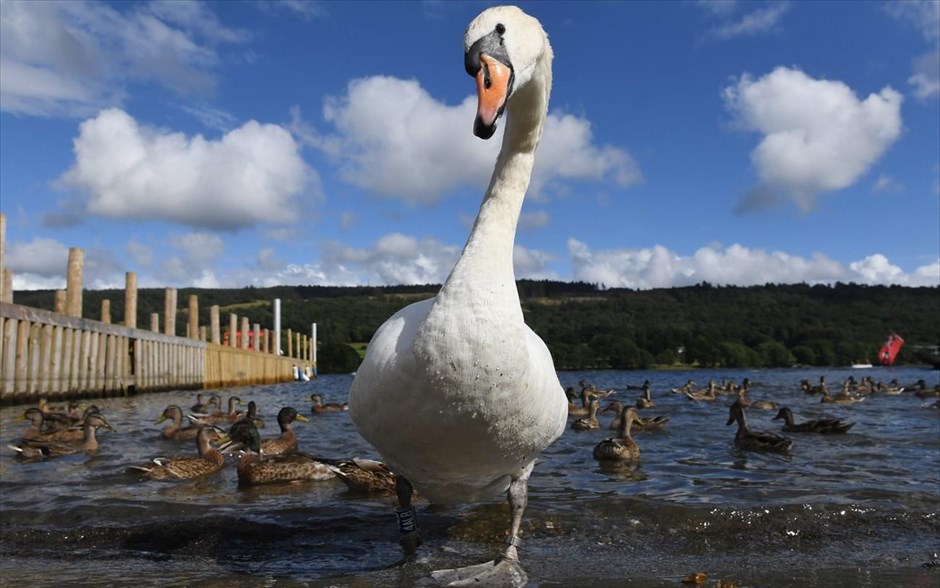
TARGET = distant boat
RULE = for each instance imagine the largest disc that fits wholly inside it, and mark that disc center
(889, 351)
(861, 366)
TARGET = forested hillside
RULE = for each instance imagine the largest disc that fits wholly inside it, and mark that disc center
(703, 325)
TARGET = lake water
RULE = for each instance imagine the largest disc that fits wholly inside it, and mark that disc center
(860, 509)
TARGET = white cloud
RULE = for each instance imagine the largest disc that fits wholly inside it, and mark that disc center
(926, 78)
(532, 265)
(658, 267)
(886, 183)
(925, 16)
(817, 136)
(760, 20)
(73, 58)
(537, 219)
(41, 257)
(250, 175)
(417, 149)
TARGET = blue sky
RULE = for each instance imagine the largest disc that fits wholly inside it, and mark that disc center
(261, 143)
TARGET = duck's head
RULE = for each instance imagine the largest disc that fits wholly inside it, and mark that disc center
(97, 421)
(288, 415)
(502, 49)
(241, 434)
(169, 413)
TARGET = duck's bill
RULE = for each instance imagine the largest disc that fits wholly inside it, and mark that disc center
(494, 83)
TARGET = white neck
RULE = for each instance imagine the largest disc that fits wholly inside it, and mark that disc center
(489, 248)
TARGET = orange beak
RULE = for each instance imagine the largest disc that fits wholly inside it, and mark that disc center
(493, 82)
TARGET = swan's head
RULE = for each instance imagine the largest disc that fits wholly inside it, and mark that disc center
(502, 47)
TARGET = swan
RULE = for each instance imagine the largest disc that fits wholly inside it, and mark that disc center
(456, 392)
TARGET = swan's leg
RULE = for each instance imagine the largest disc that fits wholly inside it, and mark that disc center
(409, 538)
(505, 569)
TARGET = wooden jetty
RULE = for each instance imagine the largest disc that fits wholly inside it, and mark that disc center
(58, 354)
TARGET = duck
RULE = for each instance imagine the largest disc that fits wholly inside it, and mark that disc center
(251, 412)
(202, 406)
(643, 386)
(622, 447)
(208, 461)
(584, 407)
(645, 401)
(456, 393)
(823, 426)
(756, 440)
(70, 434)
(639, 424)
(319, 407)
(593, 391)
(253, 469)
(175, 430)
(840, 399)
(287, 440)
(820, 388)
(363, 475)
(922, 391)
(589, 422)
(689, 386)
(35, 448)
(755, 404)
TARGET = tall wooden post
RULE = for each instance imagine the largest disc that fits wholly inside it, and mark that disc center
(130, 300)
(193, 316)
(3, 238)
(106, 311)
(244, 333)
(169, 312)
(232, 330)
(290, 343)
(155, 322)
(7, 279)
(60, 301)
(256, 343)
(73, 288)
(214, 334)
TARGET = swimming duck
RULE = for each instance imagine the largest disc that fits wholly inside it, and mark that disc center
(689, 386)
(185, 467)
(589, 422)
(922, 391)
(219, 417)
(622, 447)
(755, 404)
(820, 388)
(584, 407)
(756, 440)
(32, 448)
(815, 426)
(319, 407)
(287, 440)
(840, 399)
(175, 430)
(458, 395)
(253, 469)
(252, 413)
(645, 401)
(70, 434)
(363, 475)
(203, 407)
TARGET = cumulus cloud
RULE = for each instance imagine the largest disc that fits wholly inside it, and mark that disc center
(43, 264)
(130, 171)
(73, 58)
(418, 149)
(817, 135)
(41, 257)
(658, 267)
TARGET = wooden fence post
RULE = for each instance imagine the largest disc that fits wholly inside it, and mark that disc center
(154, 322)
(169, 312)
(193, 316)
(106, 311)
(130, 300)
(215, 334)
(60, 301)
(232, 330)
(73, 288)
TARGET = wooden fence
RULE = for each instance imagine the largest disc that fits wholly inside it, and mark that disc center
(59, 354)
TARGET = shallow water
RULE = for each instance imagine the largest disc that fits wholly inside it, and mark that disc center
(860, 509)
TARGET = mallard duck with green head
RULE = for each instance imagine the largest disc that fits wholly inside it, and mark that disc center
(208, 461)
(287, 440)
(823, 426)
(755, 440)
(253, 469)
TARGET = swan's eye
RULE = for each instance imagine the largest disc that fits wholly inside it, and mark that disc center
(500, 29)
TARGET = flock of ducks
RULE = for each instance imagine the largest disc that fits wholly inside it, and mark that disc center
(623, 447)
(55, 431)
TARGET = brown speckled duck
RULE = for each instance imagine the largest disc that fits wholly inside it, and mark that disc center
(756, 440)
(589, 422)
(175, 430)
(363, 475)
(622, 447)
(185, 467)
(253, 469)
(35, 448)
(319, 407)
(823, 426)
